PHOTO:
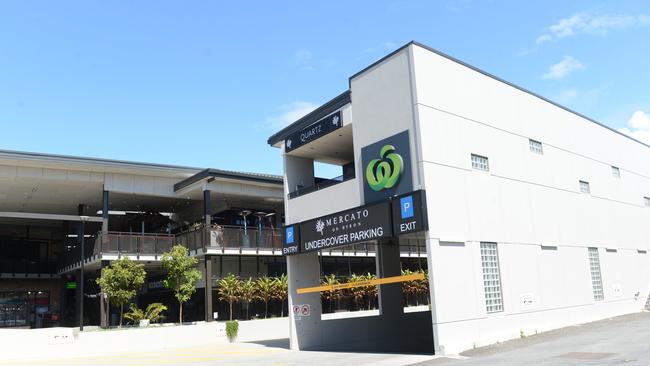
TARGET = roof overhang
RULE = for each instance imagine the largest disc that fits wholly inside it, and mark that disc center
(319, 113)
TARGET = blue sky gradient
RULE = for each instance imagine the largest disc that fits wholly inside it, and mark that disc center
(204, 84)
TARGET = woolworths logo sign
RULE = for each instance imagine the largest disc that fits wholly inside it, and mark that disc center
(384, 173)
(387, 168)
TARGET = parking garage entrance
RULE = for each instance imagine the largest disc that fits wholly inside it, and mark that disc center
(383, 231)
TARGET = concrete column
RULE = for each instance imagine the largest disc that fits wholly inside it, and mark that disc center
(304, 271)
(208, 288)
(206, 207)
(388, 265)
(299, 172)
(78, 298)
(104, 211)
(278, 219)
(103, 303)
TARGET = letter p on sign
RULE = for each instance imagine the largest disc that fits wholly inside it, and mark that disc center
(406, 207)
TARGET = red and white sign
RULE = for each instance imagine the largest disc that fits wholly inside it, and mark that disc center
(305, 310)
(301, 310)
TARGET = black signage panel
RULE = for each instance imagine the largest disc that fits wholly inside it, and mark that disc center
(387, 168)
(291, 243)
(313, 131)
(410, 213)
(364, 223)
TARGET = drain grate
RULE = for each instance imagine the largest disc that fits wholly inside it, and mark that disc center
(586, 355)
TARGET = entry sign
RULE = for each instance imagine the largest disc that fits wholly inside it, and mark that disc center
(410, 213)
(291, 240)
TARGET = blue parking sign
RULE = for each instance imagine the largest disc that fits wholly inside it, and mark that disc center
(406, 207)
(289, 235)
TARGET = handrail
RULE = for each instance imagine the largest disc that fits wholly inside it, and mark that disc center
(324, 183)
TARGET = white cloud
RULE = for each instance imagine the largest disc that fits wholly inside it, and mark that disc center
(638, 127)
(563, 68)
(290, 113)
(591, 24)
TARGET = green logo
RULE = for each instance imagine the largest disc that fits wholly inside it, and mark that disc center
(384, 173)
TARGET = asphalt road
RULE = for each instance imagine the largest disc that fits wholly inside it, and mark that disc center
(621, 340)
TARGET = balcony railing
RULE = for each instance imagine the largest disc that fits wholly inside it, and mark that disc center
(319, 184)
(216, 237)
(139, 243)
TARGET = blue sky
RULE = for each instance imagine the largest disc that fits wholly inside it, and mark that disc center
(205, 83)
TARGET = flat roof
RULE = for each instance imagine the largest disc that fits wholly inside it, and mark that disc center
(197, 173)
(309, 119)
(217, 173)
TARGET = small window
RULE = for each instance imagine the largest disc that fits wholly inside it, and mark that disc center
(480, 163)
(596, 279)
(584, 187)
(616, 172)
(536, 147)
(491, 277)
(646, 201)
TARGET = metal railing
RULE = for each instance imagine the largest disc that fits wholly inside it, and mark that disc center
(215, 237)
(318, 185)
(138, 243)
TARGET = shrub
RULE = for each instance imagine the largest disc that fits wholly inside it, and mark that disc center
(153, 312)
(232, 328)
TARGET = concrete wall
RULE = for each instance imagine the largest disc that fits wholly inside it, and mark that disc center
(525, 201)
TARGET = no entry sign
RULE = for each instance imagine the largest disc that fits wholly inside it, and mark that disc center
(301, 310)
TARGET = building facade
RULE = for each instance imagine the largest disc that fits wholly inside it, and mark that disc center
(535, 217)
(229, 221)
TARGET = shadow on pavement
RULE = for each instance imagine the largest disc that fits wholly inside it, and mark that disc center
(276, 343)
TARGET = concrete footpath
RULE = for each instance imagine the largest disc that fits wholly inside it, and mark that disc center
(621, 340)
(59, 343)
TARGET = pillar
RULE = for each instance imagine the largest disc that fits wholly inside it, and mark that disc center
(78, 298)
(388, 265)
(103, 303)
(208, 288)
(305, 331)
(104, 211)
(206, 208)
(81, 257)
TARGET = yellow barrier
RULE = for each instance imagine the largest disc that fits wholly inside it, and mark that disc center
(378, 281)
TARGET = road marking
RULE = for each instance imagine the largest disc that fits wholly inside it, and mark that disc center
(378, 281)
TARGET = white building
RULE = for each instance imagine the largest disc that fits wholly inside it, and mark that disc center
(538, 217)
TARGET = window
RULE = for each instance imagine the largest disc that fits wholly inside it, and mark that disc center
(596, 280)
(646, 201)
(616, 172)
(584, 187)
(480, 163)
(491, 277)
(536, 147)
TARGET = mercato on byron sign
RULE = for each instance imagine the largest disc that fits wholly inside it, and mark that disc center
(370, 222)
(396, 216)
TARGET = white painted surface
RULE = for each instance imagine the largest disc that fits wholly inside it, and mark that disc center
(37, 344)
